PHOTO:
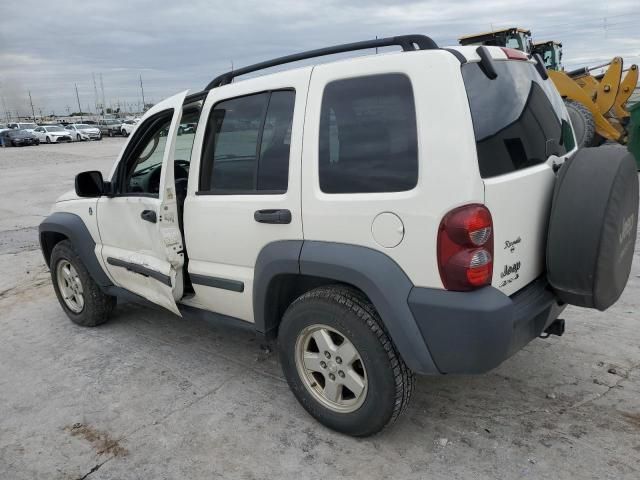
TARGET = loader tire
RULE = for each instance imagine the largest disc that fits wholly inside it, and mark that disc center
(583, 124)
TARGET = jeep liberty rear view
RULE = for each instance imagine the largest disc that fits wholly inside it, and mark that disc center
(424, 212)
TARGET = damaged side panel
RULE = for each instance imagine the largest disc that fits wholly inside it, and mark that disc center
(142, 245)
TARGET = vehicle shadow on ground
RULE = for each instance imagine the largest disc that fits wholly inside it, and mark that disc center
(542, 379)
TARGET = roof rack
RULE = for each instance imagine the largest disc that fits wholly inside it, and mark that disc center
(407, 42)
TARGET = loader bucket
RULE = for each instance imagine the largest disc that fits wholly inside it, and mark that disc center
(634, 133)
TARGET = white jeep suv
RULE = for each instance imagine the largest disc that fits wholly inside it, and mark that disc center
(418, 212)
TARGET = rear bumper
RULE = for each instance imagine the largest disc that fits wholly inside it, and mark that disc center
(473, 332)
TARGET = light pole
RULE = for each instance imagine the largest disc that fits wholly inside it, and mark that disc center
(33, 112)
(79, 107)
(142, 90)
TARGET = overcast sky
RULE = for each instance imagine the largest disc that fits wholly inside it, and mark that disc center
(48, 46)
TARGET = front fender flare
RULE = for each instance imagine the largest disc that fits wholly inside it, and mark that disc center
(72, 227)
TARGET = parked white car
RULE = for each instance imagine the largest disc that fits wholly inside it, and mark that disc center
(128, 126)
(82, 131)
(449, 218)
(52, 134)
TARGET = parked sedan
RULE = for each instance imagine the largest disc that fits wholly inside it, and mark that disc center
(82, 131)
(52, 134)
(17, 138)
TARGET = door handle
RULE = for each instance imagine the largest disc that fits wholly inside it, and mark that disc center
(273, 216)
(149, 216)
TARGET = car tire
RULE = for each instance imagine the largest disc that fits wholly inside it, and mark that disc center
(80, 297)
(37, 142)
(124, 133)
(48, 140)
(111, 133)
(78, 138)
(357, 397)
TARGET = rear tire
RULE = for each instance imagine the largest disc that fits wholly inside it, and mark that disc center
(343, 317)
(111, 133)
(80, 297)
(583, 124)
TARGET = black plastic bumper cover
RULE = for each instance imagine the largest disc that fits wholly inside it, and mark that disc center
(473, 332)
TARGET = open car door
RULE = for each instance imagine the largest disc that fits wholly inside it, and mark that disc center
(141, 240)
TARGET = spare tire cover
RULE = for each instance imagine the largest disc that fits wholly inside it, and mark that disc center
(592, 227)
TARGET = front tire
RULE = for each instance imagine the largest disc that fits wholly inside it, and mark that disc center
(111, 133)
(80, 297)
(48, 140)
(340, 363)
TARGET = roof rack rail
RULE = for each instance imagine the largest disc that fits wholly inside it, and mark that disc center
(407, 42)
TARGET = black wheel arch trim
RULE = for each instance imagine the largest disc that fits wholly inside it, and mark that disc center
(374, 273)
(72, 227)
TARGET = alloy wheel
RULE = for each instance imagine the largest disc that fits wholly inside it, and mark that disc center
(331, 368)
(70, 286)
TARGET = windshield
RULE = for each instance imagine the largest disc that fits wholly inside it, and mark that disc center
(514, 41)
(27, 125)
(518, 118)
(55, 129)
(19, 134)
(82, 125)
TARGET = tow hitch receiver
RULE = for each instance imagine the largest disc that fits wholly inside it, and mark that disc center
(556, 328)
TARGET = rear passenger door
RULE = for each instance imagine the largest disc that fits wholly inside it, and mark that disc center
(244, 186)
(361, 158)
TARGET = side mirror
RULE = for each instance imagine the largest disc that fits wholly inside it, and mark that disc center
(89, 184)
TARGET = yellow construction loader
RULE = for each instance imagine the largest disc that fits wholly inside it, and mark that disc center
(596, 104)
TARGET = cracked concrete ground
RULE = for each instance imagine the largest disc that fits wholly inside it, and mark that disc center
(153, 396)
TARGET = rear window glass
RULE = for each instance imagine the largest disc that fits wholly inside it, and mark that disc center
(517, 117)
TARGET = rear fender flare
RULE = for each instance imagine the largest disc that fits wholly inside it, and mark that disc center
(374, 273)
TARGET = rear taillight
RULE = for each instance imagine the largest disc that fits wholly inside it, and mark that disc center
(465, 248)
(513, 54)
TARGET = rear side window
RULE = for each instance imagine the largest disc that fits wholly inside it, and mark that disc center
(517, 118)
(368, 138)
(247, 144)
